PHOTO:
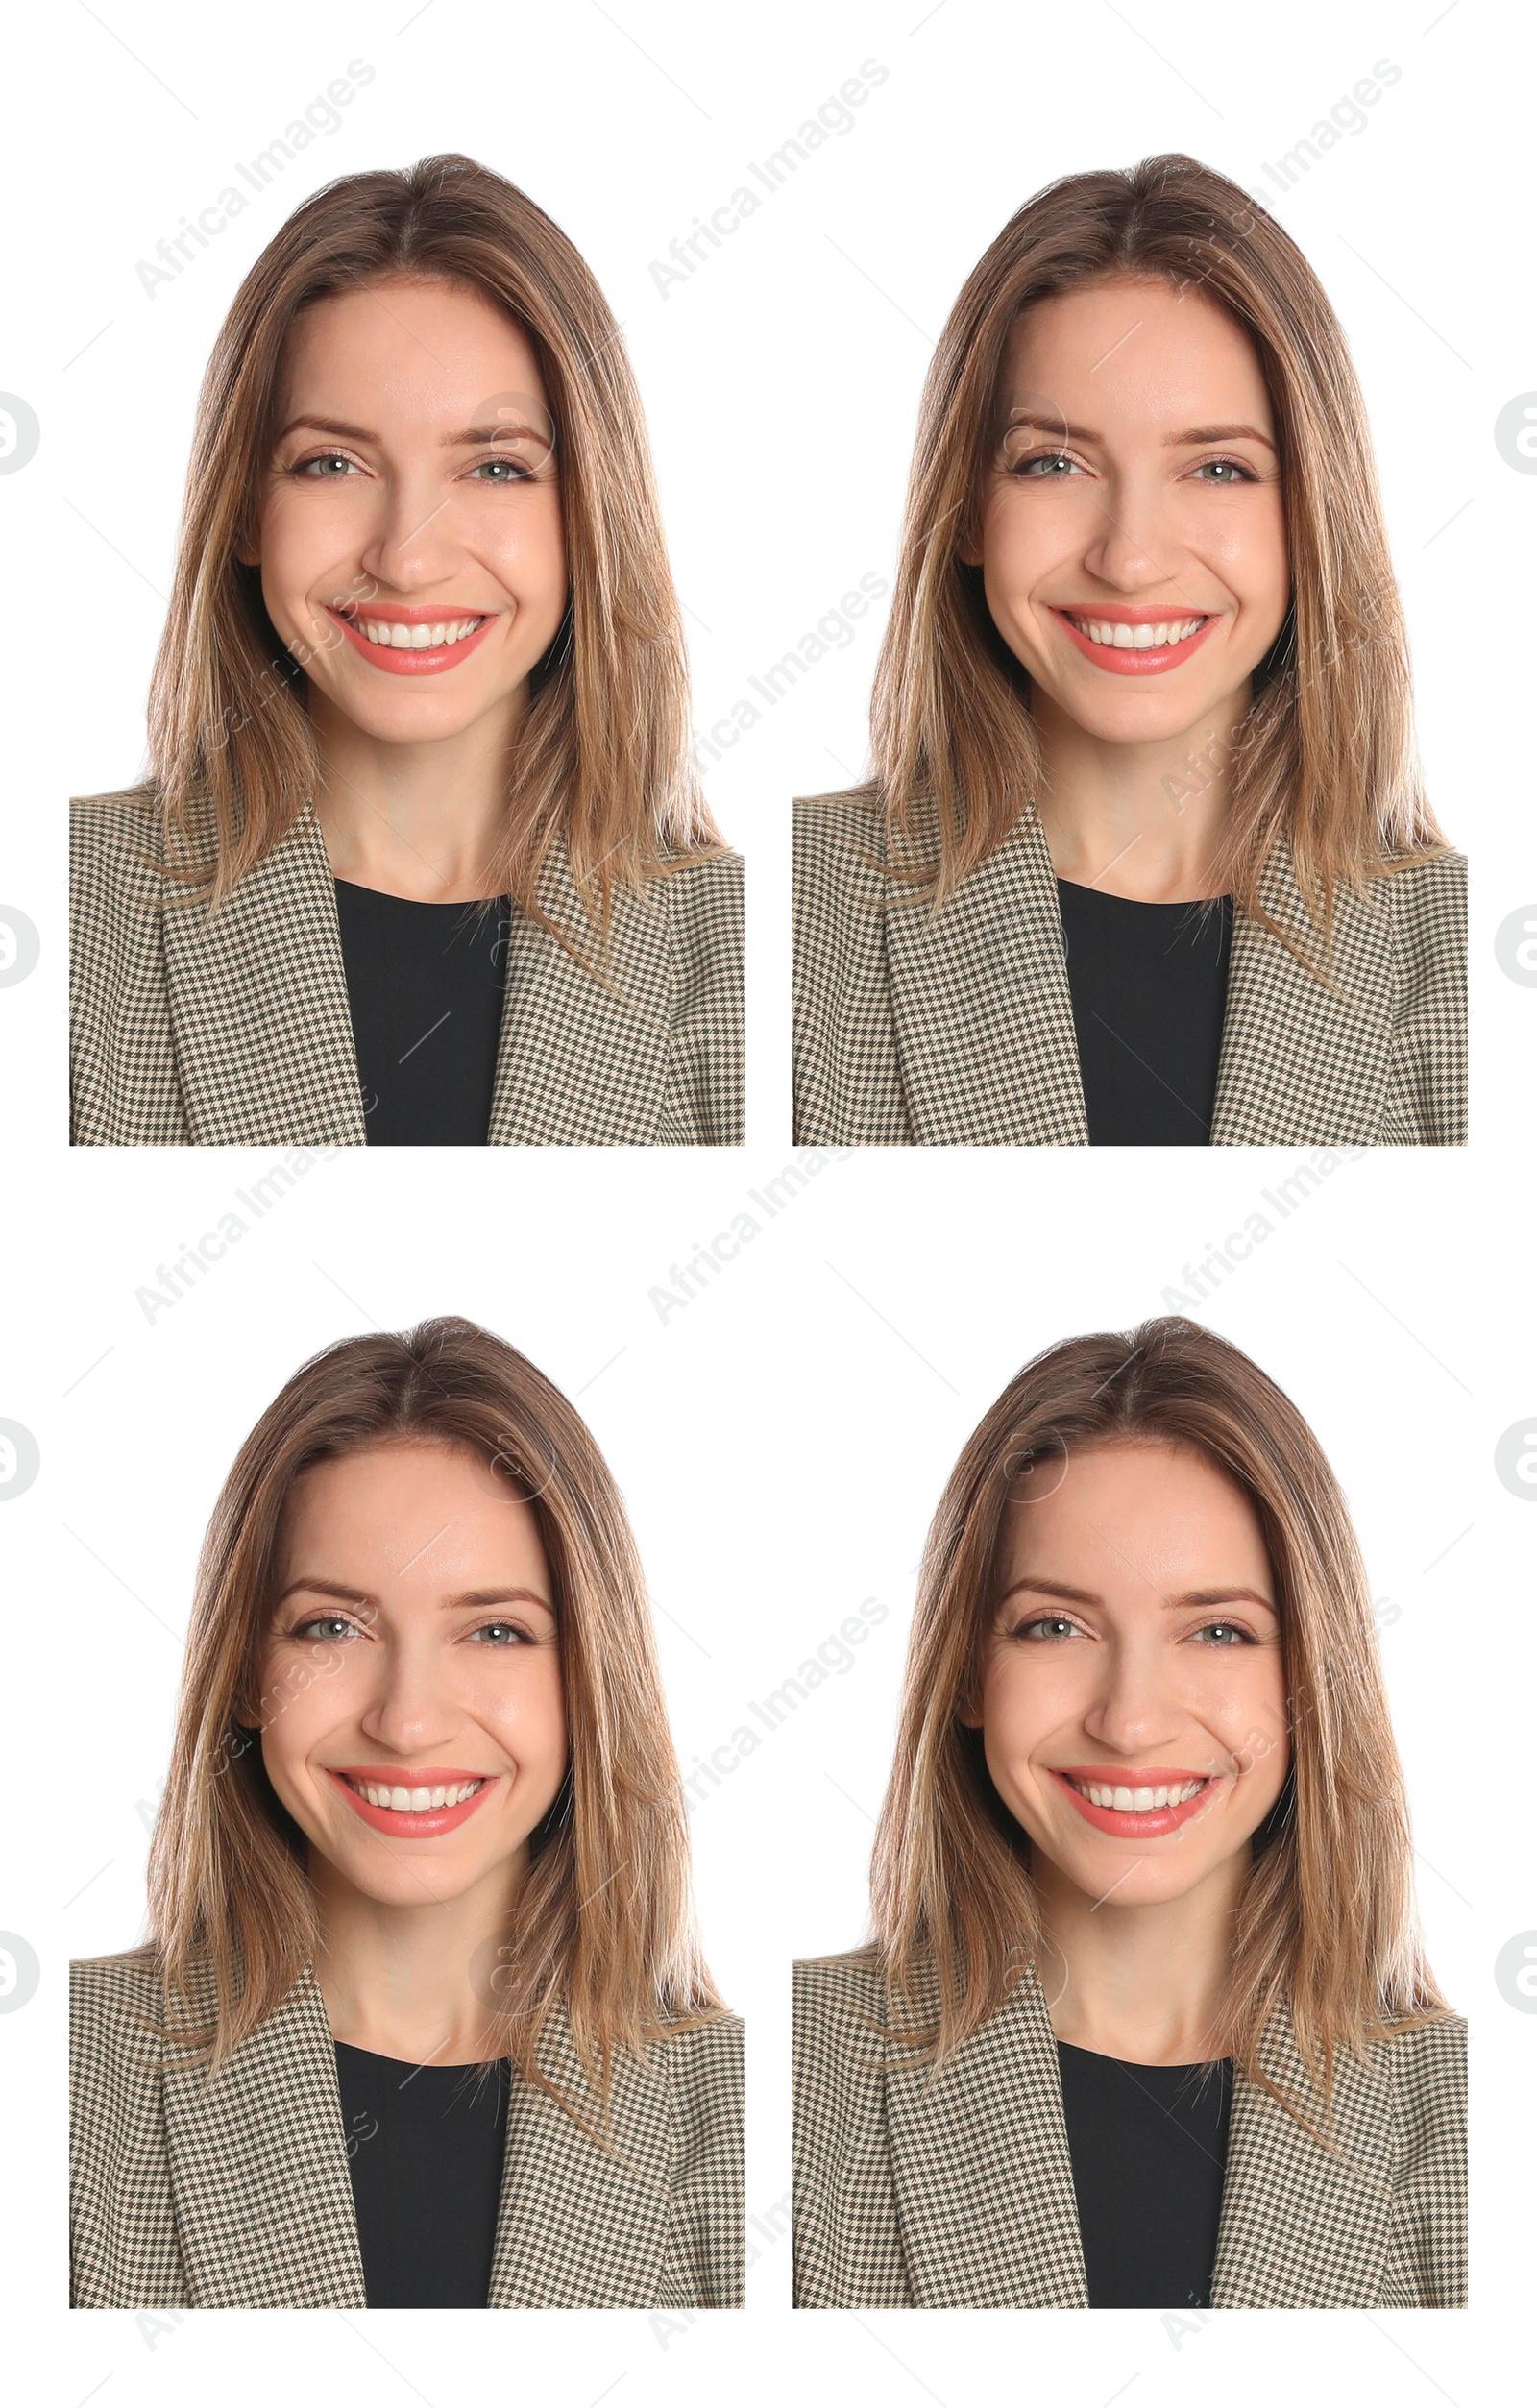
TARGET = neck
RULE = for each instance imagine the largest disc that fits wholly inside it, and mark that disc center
(401, 1980)
(424, 821)
(1146, 1983)
(1141, 820)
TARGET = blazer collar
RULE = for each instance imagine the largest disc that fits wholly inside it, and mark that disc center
(980, 2162)
(1305, 2221)
(984, 1015)
(981, 1004)
(263, 1032)
(263, 2197)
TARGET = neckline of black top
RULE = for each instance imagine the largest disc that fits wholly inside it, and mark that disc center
(409, 903)
(425, 2149)
(1148, 983)
(1149, 2146)
(424, 991)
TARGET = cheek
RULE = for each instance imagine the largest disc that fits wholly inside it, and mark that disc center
(527, 1713)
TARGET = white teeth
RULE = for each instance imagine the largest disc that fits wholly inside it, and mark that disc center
(1143, 1801)
(399, 636)
(1120, 635)
(403, 1801)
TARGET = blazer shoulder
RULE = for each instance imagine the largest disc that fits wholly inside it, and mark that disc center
(122, 1987)
(709, 2055)
(707, 897)
(115, 842)
(1432, 2058)
(841, 830)
(833, 1995)
(1429, 889)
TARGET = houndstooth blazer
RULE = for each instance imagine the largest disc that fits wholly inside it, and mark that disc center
(237, 2195)
(958, 2192)
(232, 1029)
(957, 1031)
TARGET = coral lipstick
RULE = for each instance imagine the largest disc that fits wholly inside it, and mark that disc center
(1126, 661)
(425, 1782)
(1152, 1822)
(402, 660)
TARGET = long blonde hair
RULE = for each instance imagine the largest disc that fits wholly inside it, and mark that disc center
(602, 757)
(604, 1920)
(1325, 761)
(1326, 1922)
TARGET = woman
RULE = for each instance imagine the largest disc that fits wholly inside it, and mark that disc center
(422, 859)
(422, 2021)
(1145, 857)
(1145, 2021)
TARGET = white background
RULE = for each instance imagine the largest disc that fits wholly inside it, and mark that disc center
(782, 1439)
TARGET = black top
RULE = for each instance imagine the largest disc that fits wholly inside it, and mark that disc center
(1149, 2146)
(423, 982)
(1149, 984)
(424, 2147)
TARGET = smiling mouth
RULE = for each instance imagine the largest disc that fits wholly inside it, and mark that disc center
(1122, 635)
(1143, 1800)
(401, 1800)
(401, 634)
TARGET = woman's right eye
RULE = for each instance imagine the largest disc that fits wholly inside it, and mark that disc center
(326, 1626)
(327, 461)
(1045, 467)
(1047, 1626)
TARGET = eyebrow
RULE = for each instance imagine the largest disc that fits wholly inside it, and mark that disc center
(471, 1597)
(1183, 1603)
(364, 434)
(1085, 434)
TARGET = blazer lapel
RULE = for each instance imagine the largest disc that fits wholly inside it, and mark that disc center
(581, 1062)
(983, 2177)
(1304, 2225)
(981, 1004)
(1305, 1062)
(262, 2198)
(581, 2225)
(258, 1000)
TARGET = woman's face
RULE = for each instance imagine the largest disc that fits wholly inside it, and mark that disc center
(1134, 1702)
(411, 546)
(413, 1716)
(1132, 540)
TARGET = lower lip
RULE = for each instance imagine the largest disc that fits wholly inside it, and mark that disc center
(1154, 1825)
(429, 1826)
(401, 663)
(1130, 664)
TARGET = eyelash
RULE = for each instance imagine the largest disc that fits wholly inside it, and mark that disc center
(1039, 1622)
(496, 459)
(1246, 474)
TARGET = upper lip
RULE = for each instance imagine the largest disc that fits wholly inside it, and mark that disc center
(1133, 1776)
(409, 1776)
(1132, 614)
(410, 614)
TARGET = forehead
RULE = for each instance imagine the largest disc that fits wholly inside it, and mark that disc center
(1133, 1521)
(397, 1518)
(433, 348)
(1135, 349)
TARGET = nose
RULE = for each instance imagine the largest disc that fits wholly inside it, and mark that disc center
(1134, 1713)
(411, 543)
(411, 1710)
(1135, 543)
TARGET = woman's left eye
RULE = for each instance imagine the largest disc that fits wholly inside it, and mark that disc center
(1043, 466)
(516, 472)
(1223, 1635)
(501, 1635)
(1225, 472)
